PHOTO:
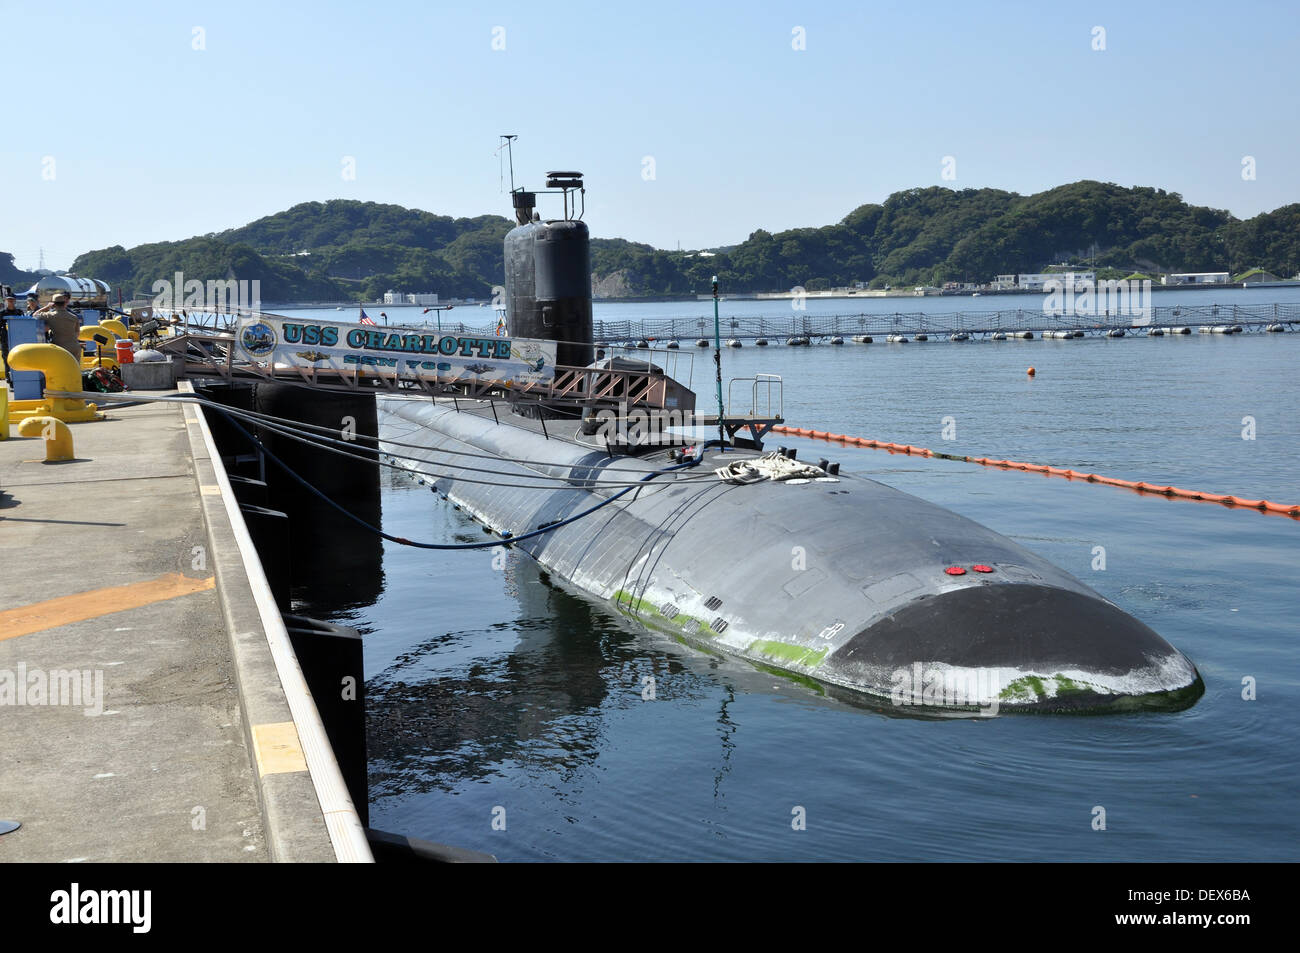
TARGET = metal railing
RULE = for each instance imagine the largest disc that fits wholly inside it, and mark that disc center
(976, 322)
(633, 386)
(768, 383)
(621, 336)
(672, 360)
(213, 355)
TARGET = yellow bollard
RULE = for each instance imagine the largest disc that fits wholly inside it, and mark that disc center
(116, 326)
(61, 373)
(58, 438)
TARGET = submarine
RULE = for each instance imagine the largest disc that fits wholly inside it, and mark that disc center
(858, 589)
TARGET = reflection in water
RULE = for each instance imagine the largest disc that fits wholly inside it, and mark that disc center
(537, 705)
(460, 706)
(726, 729)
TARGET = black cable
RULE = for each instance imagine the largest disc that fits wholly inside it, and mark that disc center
(557, 483)
(291, 428)
(563, 482)
(450, 546)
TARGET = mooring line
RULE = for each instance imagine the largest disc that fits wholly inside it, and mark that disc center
(507, 537)
(1169, 492)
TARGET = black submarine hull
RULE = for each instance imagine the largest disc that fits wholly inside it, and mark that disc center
(843, 581)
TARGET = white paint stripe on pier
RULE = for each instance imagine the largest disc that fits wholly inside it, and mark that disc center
(341, 820)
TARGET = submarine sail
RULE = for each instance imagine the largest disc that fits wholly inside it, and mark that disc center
(548, 277)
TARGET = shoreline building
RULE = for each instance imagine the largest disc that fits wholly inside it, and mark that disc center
(425, 298)
(1038, 281)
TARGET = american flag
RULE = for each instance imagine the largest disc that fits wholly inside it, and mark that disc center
(364, 319)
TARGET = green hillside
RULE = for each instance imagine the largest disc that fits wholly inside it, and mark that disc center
(14, 276)
(345, 249)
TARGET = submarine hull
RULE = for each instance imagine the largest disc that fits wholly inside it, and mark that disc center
(840, 581)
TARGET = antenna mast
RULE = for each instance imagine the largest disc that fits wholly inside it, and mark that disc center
(506, 141)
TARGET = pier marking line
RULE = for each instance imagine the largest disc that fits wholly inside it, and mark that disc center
(80, 606)
(278, 748)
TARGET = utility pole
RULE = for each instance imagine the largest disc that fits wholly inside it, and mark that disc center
(717, 360)
(440, 309)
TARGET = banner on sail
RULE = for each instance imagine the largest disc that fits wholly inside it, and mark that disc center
(397, 352)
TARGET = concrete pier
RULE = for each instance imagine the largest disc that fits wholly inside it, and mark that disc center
(148, 710)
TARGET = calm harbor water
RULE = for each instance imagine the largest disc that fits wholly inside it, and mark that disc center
(495, 692)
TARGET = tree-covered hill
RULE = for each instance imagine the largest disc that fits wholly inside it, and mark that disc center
(12, 275)
(345, 249)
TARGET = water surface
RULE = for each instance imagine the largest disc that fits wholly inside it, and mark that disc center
(494, 688)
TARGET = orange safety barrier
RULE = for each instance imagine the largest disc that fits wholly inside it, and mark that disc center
(1139, 486)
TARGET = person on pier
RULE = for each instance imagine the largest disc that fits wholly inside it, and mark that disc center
(62, 326)
(10, 310)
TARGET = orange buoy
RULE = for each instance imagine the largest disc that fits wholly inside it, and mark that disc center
(1031, 372)
(1140, 486)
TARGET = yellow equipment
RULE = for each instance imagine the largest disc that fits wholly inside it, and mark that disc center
(61, 374)
(58, 438)
(4, 403)
(105, 340)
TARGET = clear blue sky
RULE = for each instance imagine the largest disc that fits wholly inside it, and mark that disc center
(154, 140)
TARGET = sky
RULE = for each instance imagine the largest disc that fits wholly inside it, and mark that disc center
(694, 123)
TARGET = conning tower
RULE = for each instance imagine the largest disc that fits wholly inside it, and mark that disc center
(548, 272)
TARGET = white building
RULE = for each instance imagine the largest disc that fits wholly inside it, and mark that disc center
(1004, 283)
(1039, 282)
(425, 298)
(394, 297)
(1196, 278)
